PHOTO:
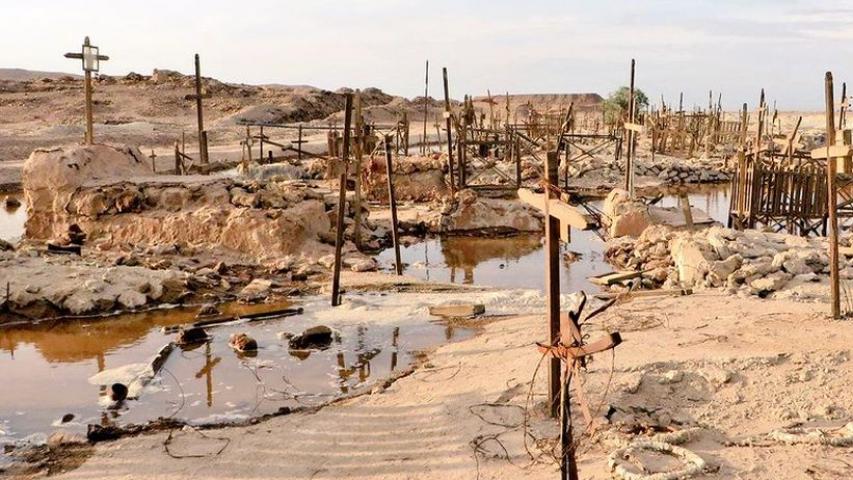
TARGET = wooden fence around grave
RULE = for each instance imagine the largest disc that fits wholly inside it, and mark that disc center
(787, 196)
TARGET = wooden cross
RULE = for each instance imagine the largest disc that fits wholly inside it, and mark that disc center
(573, 353)
(198, 96)
(153, 158)
(566, 346)
(91, 60)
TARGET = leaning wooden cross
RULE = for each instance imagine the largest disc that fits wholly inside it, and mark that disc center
(566, 347)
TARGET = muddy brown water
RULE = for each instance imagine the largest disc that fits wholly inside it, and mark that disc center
(519, 261)
(46, 368)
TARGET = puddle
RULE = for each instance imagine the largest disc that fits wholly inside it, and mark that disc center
(12, 218)
(519, 262)
(46, 368)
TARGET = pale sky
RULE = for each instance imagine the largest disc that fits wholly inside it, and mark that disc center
(520, 46)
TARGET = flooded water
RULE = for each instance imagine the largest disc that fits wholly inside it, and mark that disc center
(12, 217)
(513, 262)
(519, 261)
(46, 368)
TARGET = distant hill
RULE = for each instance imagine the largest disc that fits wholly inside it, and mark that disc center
(545, 101)
(21, 75)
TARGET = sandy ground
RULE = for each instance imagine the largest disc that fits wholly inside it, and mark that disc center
(744, 367)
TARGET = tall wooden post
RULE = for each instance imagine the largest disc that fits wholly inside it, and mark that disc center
(342, 200)
(424, 148)
(202, 144)
(90, 128)
(299, 142)
(447, 118)
(552, 280)
(358, 144)
(629, 162)
(832, 199)
(392, 200)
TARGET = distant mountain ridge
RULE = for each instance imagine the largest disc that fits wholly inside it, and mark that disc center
(22, 75)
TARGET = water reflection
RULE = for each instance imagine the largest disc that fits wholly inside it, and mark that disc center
(13, 215)
(50, 366)
(518, 262)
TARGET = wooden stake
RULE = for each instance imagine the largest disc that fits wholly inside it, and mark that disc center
(202, 144)
(832, 196)
(392, 200)
(449, 136)
(358, 143)
(342, 200)
(424, 148)
(629, 163)
(552, 280)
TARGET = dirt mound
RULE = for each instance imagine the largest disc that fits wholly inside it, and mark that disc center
(543, 101)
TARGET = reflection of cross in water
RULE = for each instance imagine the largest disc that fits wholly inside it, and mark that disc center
(426, 258)
(395, 335)
(207, 371)
(362, 366)
(469, 276)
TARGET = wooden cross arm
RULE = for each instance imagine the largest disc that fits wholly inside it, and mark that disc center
(567, 214)
(835, 151)
(79, 56)
(193, 96)
(575, 353)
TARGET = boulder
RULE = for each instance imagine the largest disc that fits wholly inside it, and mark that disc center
(314, 338)
(691, 261)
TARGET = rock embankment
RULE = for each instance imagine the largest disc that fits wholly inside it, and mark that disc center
(746, 263)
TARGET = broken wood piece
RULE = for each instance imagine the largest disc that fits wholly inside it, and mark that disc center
(219, 320)
(134, 376)
(575, 353)
(608, 279)
(458, 310)
(72, 249)
(645, 293)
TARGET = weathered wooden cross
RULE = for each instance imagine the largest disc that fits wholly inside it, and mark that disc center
(91, 60)
(566, 345)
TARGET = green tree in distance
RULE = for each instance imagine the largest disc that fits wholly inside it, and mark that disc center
(616, 104)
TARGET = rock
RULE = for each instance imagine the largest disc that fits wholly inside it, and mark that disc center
(316, 338)
(631, 223)
(256, 288)
(671, 376)
(691, 261)
(64, 439)
(5, 246)
(190, 336)
(720, 270)
(207, 310)
(242, 342)
(770, 283)
(12, 203)
(118, 392)
(363, 265)
(131, 299)
(67, 418)
(796, 266)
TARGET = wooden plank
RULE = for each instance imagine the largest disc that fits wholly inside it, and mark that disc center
(634, 127)
(611, 278)
(835, 151)
(567, 214)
